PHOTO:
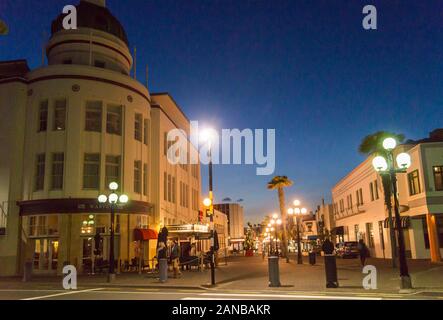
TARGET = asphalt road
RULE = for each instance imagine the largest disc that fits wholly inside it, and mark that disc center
(162, 294)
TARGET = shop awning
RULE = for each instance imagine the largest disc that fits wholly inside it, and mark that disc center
(405, 222)
(339, 231)
(145, 234)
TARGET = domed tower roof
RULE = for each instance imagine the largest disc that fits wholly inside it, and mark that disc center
(93, 14)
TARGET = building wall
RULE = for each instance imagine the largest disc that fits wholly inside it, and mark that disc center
(372, 211)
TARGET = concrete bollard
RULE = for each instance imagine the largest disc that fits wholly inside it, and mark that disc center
(331, 271)
(27, 271)
(163, 269)
(274, 271)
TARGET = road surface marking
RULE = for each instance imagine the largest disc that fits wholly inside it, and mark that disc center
(62, 294)
(290, 296)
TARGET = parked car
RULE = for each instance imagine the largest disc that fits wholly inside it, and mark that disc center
(347, 249)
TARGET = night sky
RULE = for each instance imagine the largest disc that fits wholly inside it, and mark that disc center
(306, 68)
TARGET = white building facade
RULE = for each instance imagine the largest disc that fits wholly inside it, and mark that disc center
(70, 128)
(360, 212)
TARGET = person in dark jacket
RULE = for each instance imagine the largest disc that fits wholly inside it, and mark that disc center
(327, 247)
(363, 251)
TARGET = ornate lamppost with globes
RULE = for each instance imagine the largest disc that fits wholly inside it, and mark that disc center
(296, 213)
(113, 198)
(385, 165)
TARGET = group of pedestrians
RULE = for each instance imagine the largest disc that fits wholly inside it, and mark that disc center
(173, 256)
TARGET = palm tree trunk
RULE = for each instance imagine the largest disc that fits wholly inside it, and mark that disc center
(281, 200)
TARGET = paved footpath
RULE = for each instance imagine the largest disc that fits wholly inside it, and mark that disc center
(249, 275)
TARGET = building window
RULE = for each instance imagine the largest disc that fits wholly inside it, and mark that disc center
(93, 116)
(114, 120)
(138, 127)
(43, 116)
(112, 173)
(174, 190)
(99, 64)
(376, 189)
(356, 232)
(165, 186)
(40, 172)
(145, 131)
(371, 189)
(59, 115)
(145, 179)
(165, 143)
(438, 178)
(370, 234)
(137, 176)
(58, 160)
(39, 226)
(414, 183)
(380, 231)
(169, 188)
(91, 171)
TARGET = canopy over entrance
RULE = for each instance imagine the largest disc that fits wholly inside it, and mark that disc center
(145, 234)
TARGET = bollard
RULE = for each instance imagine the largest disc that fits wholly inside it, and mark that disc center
(163, 269)
(331, 271)
(27, 271)
(312, 258)
(274, 272)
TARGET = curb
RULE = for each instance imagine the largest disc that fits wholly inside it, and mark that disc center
(147, 286)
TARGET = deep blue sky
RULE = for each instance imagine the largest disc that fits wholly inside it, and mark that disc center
(305, 68)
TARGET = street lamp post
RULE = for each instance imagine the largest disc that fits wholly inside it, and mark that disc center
(296, 213)
(386, 166)
(208, 136)
(273, 268)
(275, 222)
(113, 199)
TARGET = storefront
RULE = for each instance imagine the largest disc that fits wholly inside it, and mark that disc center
(77, 232)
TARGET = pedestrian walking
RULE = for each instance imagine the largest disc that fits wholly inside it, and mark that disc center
(327, 247)
(175, 258)
(363, 251)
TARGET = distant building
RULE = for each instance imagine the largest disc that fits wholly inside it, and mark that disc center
(234, 211)
(324, 216)
(360, 213)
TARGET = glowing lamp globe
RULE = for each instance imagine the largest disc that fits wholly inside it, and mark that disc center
(124, 198)
(296, 203)
(102, 198)
(304, 211)
(379, 163)
(113, 186)
(389, 143)
(403, 160)
(113, 198)
(275, 216)
(207, 202)
(297, 210)
(290, 211)
(279, 221)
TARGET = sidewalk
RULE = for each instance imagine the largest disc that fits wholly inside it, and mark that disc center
(251, 273)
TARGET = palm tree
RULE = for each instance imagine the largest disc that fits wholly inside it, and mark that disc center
(373, 145)
(280, 182)
(3, 28)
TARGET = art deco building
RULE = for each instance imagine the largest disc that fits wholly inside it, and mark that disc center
(360, 213)
(70, 128)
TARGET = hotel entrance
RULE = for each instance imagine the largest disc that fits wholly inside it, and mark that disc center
(45, 257)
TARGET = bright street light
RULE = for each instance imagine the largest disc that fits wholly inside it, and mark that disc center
(380, 164)
(296, 203)
(113, 186)
(403, 160)
(207, 202)
(102, 198)
(389, 144)
(124, 198)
